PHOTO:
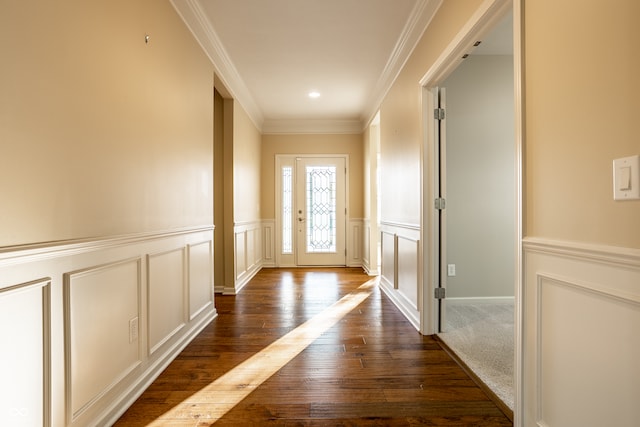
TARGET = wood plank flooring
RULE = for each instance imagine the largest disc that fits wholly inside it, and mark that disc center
(312, 347)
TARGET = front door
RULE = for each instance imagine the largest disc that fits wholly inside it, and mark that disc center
(320, 211)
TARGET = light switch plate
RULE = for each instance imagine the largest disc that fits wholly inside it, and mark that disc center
(626, 178)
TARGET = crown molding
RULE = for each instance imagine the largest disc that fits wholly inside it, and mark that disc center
(196, 20)
(420, 18)
(297, 126)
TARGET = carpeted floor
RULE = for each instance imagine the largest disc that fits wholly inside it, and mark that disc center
(482, 335)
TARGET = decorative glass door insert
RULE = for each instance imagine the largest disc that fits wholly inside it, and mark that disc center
(321, 209)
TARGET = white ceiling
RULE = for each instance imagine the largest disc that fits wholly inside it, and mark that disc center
(269, 54)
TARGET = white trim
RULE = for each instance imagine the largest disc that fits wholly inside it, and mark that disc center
(609, 276)
(480, 300)
(481, 22)
(404, 225)
(152, 372)
(518, 308)
(45, 294)
(53, 265)
(354, 242)
(268, 242)
(275, 127)
(401, 302)
(197, 22)
(413, 31)
(614, 256)
(489, 12)
(248, 257)
(10, 255)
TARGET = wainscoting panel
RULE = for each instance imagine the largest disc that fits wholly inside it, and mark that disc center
(200, 258)
(269, 243)
(166, 292)
(401, 268)
(248, 254)
(25, 367)
(354, 246)
(100, 303)
(252, 251)
(388, 267)
(408, 271)
(241, 254)
(82, 315)
(366, 249)
(581, 345)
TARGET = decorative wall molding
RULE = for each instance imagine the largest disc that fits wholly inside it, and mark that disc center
(247, 254)
(408, 258)
(405, 227)
(572, 293)
(18, 254)
(612, 255)
(268, 242)
(166, 302)
(284, 126)
(421, 16)
(355, 233)
(99, 302)
(401, 267)
(91, 295)
(366, 256)
(196, 20)
(200, 277)
(28, 366)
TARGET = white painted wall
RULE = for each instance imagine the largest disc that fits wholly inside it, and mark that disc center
(480, 177)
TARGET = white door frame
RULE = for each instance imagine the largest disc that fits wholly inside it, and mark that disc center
(479, 24)
(289, 260)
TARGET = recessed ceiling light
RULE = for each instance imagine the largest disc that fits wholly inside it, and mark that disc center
(314, 94)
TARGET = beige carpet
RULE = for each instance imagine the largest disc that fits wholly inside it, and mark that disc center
(482, 335)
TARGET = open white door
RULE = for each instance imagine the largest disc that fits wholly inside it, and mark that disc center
(440, 204)
(320, 211)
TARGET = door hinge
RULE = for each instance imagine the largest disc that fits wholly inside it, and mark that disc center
(439, 293)
(440, 203)
(438, 113)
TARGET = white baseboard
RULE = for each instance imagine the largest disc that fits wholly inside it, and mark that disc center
(480, 300)
(401, 303)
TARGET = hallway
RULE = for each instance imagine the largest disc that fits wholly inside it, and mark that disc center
(312, 347)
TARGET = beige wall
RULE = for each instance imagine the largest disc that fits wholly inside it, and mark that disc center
(400, 116)
(350, 144)
(246, 167)
(100, 133)
(582, 104)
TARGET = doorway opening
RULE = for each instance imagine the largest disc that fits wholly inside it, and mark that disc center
(471, 203)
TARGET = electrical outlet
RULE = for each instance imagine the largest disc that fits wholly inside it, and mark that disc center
(451, 270)
(133, 329)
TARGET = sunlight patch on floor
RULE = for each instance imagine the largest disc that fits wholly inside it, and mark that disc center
(215, 400)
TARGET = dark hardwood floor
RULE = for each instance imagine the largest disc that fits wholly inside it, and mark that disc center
(312, 347)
